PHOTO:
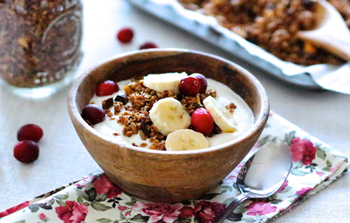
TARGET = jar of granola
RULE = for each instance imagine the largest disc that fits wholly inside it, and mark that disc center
(40, 44)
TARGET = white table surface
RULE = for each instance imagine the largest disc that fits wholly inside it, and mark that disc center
(64, 159)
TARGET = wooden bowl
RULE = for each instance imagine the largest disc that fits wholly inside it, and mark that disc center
(160, 175)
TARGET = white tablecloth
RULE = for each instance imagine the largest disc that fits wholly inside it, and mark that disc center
(63, 158)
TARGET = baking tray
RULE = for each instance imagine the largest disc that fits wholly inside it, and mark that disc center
(174, 16)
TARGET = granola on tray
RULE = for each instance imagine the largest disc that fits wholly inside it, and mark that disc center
(272, 25)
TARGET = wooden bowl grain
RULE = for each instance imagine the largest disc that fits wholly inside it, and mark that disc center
(158, 175)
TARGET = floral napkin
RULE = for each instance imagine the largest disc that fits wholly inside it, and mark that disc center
(96, 199)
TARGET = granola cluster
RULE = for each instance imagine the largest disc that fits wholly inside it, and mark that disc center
(40, 40)
(138, 101)
(272, 25)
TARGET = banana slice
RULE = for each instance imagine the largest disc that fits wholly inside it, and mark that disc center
(162, 82)
(185, 139)
(222, 117)
(168, 115)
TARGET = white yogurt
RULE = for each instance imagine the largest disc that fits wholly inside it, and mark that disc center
(242, 115)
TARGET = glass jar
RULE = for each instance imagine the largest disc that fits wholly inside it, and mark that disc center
(40, 44)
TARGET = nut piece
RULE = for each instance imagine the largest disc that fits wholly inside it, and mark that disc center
(23, 42)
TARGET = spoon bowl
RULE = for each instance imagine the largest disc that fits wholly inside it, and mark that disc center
(330, 33)
(262, 175)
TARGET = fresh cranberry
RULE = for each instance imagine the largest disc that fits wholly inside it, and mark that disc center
(107, 88)
(202, 121)
(30, 132)
(26, 151)
(148, 45)
(189, 86)
(203, 80)
(125, 35)
(93, 114)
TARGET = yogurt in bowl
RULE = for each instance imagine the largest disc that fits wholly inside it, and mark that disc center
(153, 113)
(152, 173)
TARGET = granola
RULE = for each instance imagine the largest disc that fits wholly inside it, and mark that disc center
(40, 40)
(135, 118)
(272, 25)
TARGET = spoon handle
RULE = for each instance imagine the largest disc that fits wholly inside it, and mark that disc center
(229, 209)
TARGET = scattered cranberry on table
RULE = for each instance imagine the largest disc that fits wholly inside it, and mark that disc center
(203, 80)
(148, 45)
(125, 35)
(107, 87)
(26, 151)
(30, 132)
(202, 121)
(93, 114)
(189, 86)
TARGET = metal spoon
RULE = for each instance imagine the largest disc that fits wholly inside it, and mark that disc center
(262, 175)
(331, 31)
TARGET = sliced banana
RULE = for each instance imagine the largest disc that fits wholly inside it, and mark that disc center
(168, 115)
(162, 82)
(222, 117)
(185, 139)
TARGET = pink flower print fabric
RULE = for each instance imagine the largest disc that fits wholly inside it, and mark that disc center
(260, 208)
(104, 185)
(14, 209)
(207, 211)
(72, 212)
(303, 150)
(159, 211)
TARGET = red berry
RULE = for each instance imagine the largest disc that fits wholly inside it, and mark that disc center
(189, 86)
(202, 121)
(93, 114)
(26, 151)
(107, 88)
(30, 132)
(203, 80)
(148, 45)
(125, 35)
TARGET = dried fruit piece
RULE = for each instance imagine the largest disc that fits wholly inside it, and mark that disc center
(26, 151)
(93, 114)
(125, 35)
(189, 86)
(107, 87)
(128, 90)
(121, 98)
(203, 80)
(202, 121)
(31, 132)
(148, 45)
(106, 104)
